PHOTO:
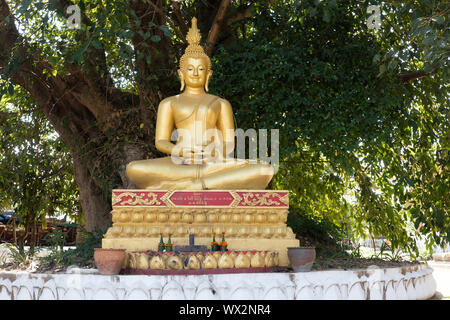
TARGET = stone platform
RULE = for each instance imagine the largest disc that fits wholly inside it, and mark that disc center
(251, 219)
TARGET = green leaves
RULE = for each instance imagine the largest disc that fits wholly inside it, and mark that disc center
(24, 4)
(166, 31)
(78, 56)
(96, 44)
(155, 38)
(35, 167)
(333, 92)
(429, 39)
(11, 89)
(429, 31)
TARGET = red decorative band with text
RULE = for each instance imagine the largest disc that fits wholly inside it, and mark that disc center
(201, 198)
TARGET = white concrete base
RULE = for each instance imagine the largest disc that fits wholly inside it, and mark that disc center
(408, 283)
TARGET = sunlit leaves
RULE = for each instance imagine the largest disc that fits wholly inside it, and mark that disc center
(419, 34)
(334, 87)
(36, 176)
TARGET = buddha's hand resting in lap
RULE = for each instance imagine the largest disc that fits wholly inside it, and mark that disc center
(200, 156)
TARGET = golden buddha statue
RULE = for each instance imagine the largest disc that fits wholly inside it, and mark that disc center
(199, 160)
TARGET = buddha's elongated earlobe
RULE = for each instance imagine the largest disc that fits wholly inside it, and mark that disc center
(180, 74)
(182, 84)
(208, 76)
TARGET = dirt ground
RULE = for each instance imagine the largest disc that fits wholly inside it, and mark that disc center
(441, 274)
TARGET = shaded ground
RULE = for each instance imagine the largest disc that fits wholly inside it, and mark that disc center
(324, 263)
(328, 256)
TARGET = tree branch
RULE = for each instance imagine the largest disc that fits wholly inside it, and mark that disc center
(153, 57)
(163, 15)
(74, 90)
(406, 77)
(179, 16)
(240, 13)
(219, 19)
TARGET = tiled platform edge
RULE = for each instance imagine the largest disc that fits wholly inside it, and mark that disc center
(411, 282)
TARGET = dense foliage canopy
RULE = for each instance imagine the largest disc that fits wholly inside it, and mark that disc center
(360, 144)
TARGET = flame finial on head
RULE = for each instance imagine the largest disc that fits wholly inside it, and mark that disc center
(194, 49)
(193, 36)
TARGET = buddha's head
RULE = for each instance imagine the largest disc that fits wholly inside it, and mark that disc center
(195, 65)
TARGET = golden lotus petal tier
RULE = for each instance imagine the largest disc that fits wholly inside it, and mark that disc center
(207, 260)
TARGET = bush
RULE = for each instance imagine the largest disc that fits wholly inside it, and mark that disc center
(318, 232)
(82, 255)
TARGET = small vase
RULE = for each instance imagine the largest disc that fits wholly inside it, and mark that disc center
(301, 258)
(109, 261)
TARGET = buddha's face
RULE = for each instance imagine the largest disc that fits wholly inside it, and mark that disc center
(195, 72)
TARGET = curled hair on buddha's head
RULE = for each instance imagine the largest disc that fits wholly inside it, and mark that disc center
(196, 56)
(194, 50)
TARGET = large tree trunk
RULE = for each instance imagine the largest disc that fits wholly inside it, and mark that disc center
(83, 107)
(95, 203)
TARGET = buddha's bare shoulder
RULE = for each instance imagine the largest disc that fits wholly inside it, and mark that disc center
(224, 103)
(169, 100)
(208, 96)
(215, 99)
